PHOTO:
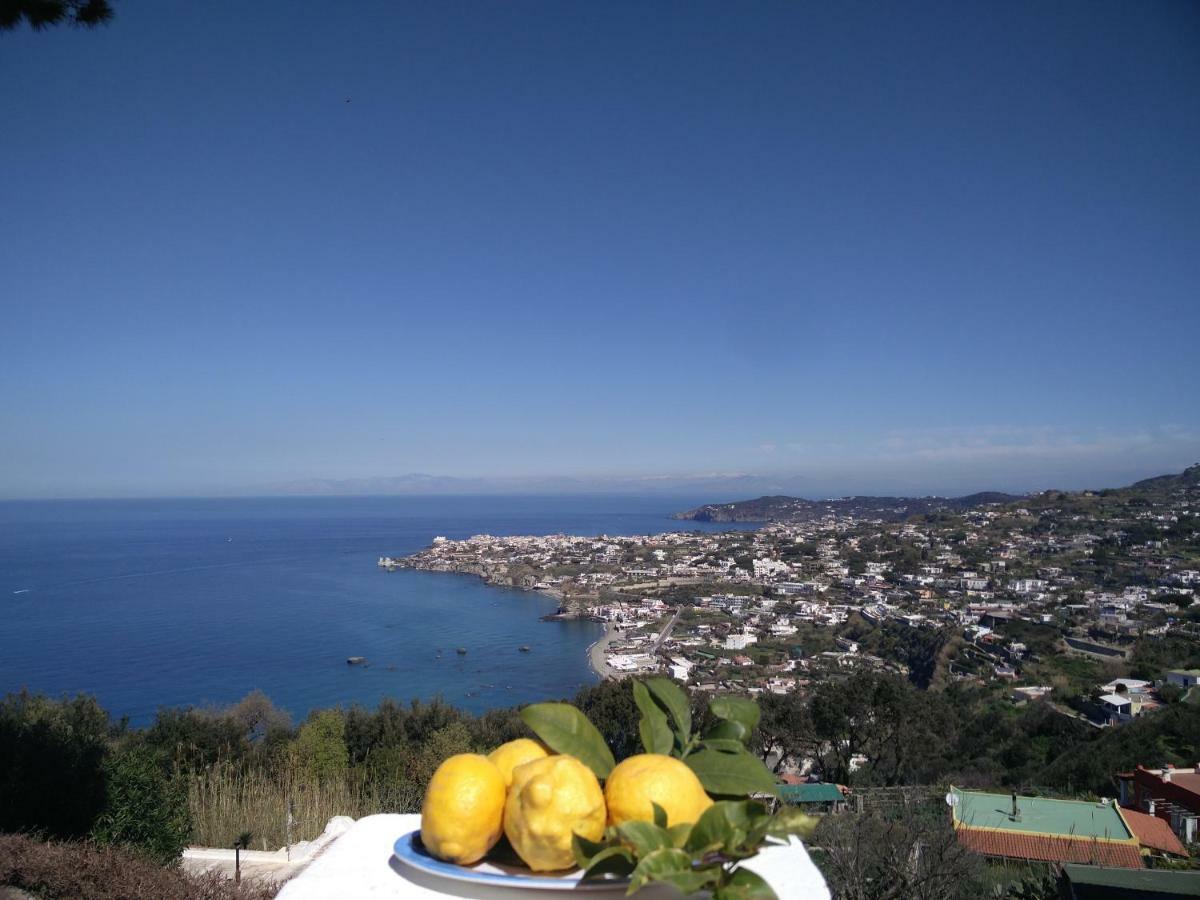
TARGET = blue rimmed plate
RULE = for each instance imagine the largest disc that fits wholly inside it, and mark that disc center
(412, 853)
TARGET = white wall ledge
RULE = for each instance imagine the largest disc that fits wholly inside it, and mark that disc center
(360, 864)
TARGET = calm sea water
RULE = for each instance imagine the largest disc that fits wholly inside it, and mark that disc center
(149, 603)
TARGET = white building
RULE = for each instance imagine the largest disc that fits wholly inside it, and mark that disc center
(740, 641)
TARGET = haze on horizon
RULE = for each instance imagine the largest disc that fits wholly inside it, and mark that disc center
(933, 248)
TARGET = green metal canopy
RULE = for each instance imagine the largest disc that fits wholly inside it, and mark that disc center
(810, 793)
(1094, 883)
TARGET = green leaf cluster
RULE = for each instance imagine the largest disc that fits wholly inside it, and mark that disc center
(566, 730)
(718, 756)
(705, 856)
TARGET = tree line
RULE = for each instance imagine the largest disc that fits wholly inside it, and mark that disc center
(68, 770)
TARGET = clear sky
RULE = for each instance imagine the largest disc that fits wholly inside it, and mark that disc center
(921, 246)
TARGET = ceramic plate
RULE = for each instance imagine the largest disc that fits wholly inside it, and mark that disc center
(412, 853)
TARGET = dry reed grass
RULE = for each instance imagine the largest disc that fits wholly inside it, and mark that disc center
(225, 800)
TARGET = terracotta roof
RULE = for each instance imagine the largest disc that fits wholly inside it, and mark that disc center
(1153, 832)
(1016, 845)
(1182, 789)
(1187, 782)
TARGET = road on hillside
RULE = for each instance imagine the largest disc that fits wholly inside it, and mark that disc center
(666, 632)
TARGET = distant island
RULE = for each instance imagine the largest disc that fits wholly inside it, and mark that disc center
(798, 509)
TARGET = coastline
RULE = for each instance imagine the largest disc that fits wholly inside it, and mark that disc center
(598, 651)
(403, 562)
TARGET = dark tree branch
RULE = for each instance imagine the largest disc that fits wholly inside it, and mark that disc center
(41, 14)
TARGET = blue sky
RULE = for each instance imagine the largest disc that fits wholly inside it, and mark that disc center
(909, 247)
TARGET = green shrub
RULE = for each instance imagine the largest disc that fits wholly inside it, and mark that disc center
(145, 807)
(51, 753)
(320, 747)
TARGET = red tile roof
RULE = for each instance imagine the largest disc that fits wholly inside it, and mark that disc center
(1190, 783)
(1047, 848)
(1183, 789)
(1153, 832)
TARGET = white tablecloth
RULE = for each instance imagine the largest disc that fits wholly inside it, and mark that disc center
(360, 864)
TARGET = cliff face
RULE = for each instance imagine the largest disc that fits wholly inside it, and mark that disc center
(798, 509)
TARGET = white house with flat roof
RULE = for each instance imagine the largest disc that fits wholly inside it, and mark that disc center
(1116, 708)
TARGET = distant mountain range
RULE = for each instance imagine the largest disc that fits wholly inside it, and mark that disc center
(891, 509)
(418, 484)
(798, 509)
(1189, 477)
(779, 500)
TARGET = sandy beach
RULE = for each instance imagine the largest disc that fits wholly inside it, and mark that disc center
(596, 653)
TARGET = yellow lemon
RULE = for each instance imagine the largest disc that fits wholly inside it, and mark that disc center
(508, 756)
(648, 778)
(550, 800)
(463, 812)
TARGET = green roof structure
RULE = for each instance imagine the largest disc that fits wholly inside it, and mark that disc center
(1061, 831)
(810, 793)
(1095, 883)
(1039, 815)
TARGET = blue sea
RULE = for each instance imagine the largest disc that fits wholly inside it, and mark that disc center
(153, 603)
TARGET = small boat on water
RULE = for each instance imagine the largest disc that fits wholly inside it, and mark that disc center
(524, 648)
(356, 660)
(461, 651)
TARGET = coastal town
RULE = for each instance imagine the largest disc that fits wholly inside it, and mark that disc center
(1087, 601)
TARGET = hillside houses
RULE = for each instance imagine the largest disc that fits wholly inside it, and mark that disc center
(1009, 589)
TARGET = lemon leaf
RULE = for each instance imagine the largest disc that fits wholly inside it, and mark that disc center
(566, 730)
(672, 698)
(725, 825)
(660, 815)
(725, 745)
(745, 885)
(645, 837)
(688, 883)
(658, 864)
(790, 820)
(727, 730)
(583, 849)
(731, 774)
(679, 834)
(653, 727)
(610, 861)
(736, 709)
